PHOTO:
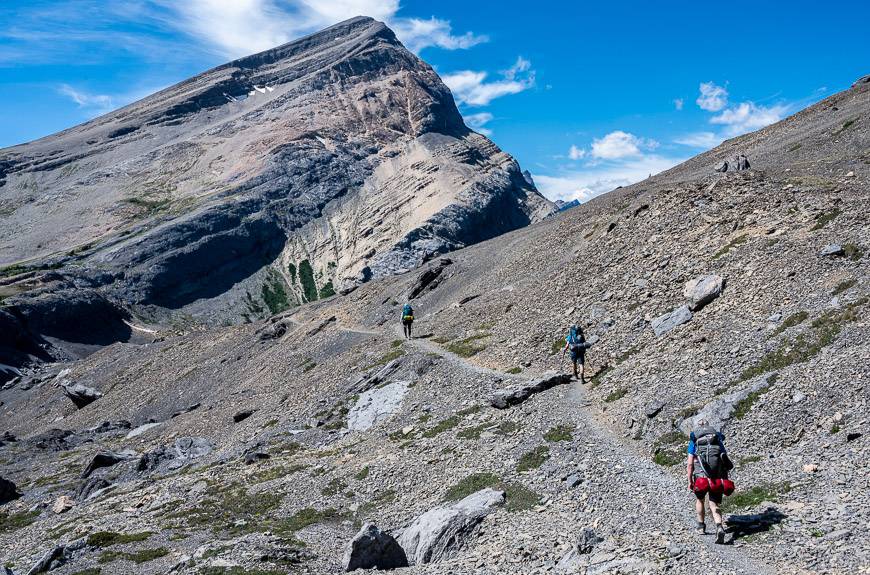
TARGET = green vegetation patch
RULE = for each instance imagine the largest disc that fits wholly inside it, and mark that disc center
(560, 433)
(327, 290)
(668, 449)
(149, 207)
(334, 487)
(795, 147)
(598, 378)
(473, 433)
(109, 538)
(742, 407)
(825, 218)
(274, 293)
(749, 459)
(791, 321)
(741, 239)
(616, 394)
(518, 496)
(853, 252)
(306, 279)
(533, 459)
(138, 557)
(755, 495)
(557, 345)
(514, 370)
(362, 473)
(469, 346)
(443, 425)
(843, 286)
(13, 521)
(394, 353)
(805, 346)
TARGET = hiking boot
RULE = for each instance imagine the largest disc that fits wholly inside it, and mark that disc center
(720, 534)
(702, 528)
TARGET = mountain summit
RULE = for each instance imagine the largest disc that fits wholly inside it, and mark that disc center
(273, 180)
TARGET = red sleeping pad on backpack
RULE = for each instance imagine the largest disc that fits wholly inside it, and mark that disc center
(715, 486)
(728, 486)
(702, 485)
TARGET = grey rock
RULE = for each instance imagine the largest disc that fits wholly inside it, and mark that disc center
(573, 480)
(81, 395)
(653, 408)
(587, 540)
(192, 447)
(256, 457)
(106, 459)
(832, 250)
(718, 412)
(142, 429)
(722, 167)
(89, 487)
(441, 532)
(577, 557)
(667, 322)
(45, 562)
(504, 398)
(8, 491)
(373, 549)
(429, 278)
(376, 405)
(240, 416)
(837, 535)
(702, 290)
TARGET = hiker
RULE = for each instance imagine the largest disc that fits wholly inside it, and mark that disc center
(707, 472)
(407, 320)
(743, 163)
(576, 342)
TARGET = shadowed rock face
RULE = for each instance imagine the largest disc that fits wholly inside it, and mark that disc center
(272, 180)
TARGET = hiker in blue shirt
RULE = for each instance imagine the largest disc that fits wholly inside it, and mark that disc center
(707, 469)
(407, 320)
(576, 342)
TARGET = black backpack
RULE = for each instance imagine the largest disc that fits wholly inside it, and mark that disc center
(710, 454)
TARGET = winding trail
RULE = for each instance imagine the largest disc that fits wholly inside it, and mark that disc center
(669, 495)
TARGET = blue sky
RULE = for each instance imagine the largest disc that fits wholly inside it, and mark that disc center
(587, 96)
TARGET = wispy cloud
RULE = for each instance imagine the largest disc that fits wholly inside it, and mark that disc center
(477, 122)
(576, 153)
(703, 140)
(591, 181)
(748, 116)
(92, 104)
(712, 98)
(471, 88)
(678, 104)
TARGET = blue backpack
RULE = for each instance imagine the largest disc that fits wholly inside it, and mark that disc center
(407, 311)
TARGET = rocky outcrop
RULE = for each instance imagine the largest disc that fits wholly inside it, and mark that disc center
(8, 491)
(504, 398)
(441, 532)
(373, 549)
(81, 395)
(277, 179)
(376, 405)
(667, 322)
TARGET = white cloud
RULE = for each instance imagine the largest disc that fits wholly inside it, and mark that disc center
(587, 183)
(98, 104)
(477, 122)
(748, 116)
(237, 28)
(472, 89)
(704, 140)
(713, 98)
(576, 153)
(619, 144)
(678, 103)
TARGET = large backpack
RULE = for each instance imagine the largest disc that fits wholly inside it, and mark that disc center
(575, 342)
(407, 312)
(709, 452)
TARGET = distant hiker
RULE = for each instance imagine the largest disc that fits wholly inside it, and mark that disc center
(407, 320)
(723, 167)
(577, 344)
(707, 472)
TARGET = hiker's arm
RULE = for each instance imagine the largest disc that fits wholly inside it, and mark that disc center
(564, 349)
(690, 469)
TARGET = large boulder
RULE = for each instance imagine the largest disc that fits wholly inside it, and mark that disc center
(374, 549)
(81, 395)
(504, 398)
(440, 532)
(702, 290)
(718, 412)
(666, 322)
(106, 459)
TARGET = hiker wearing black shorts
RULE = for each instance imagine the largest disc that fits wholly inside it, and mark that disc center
(707, 472)
(576, 343)
(407, 320)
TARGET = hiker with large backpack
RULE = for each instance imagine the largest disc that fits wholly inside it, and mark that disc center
(707, 471)
(577, 344)
(407, 320)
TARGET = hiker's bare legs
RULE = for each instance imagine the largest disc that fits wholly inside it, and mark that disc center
(699, 509)
(714, 511)
(575, 369)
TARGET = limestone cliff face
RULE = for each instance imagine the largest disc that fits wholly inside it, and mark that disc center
(272, 180)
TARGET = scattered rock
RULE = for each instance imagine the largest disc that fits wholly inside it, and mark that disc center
(718, 412)
(243, 415)
(8, 491)
(653, 408)
(853, 435)
(63, 504)
(666, 322)
(374, 549)
(810, 468)
(81, 395)
(702, 290)
(255, 457)
(838, 535)
(142, 429)
(573, 480)
(832, 250)
(440, 532)
(504, 398)
(573, 560)
(91, 487)
(187, 409)
(54, 440)
(106, 459)
(798, 397)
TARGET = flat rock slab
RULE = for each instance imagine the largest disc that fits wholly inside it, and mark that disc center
(666, 322)
(504, 398)
(142, 429)
(376, 405)
(702, 290)
(718, 412)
